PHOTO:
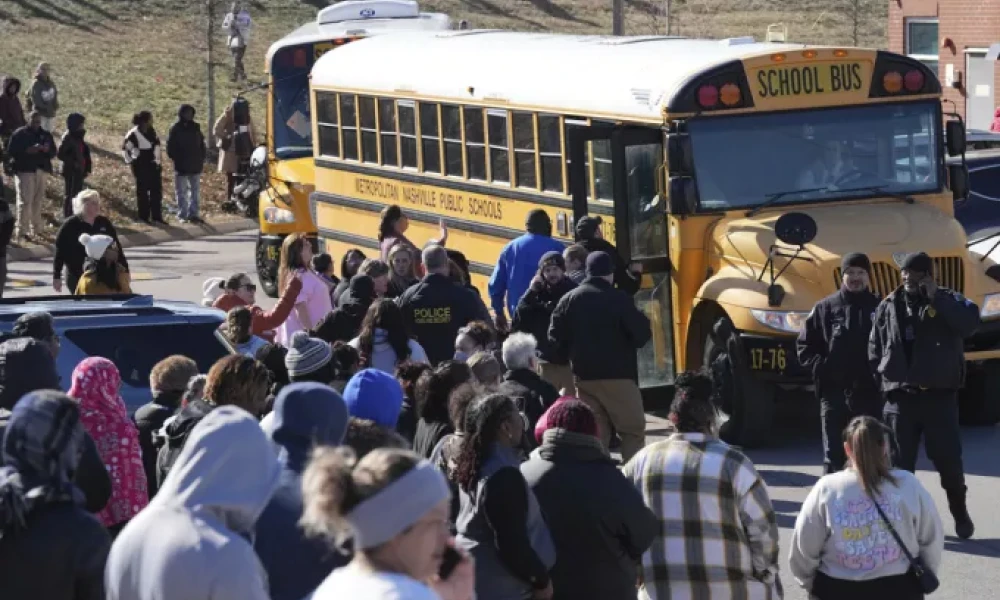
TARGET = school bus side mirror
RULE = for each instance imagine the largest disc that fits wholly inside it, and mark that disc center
(954, 135)
(958, 176)
(679, 156)
(683, 196)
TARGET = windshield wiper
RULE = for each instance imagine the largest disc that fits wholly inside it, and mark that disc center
(770, 199)
(880, 189)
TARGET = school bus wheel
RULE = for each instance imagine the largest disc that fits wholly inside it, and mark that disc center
(746, 404)
(979, 399)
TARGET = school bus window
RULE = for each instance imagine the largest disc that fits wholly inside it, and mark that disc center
(326, 122)
(496, 121)
(387, 129)
(369, 132)
(550, 152)
(349, 126)
(451, 130)
(475, 142)
(430, 137)
(603, 173)
(524, 149)
(586, 164)
(407, 133)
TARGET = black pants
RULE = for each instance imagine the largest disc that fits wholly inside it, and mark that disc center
(933, 415)
(72, 279)
(149, 191)
(74, 185)
(836, 409)
(897, 587)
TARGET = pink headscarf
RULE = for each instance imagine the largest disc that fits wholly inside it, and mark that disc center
(96, 385)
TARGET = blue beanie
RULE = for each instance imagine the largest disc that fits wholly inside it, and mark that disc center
(374, 395)
(306, 414)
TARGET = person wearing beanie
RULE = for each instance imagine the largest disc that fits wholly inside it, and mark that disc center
(305, 415)
(26, 366)
(167, 381)
(590, 235)
(599, 329)
(38, 326)
(374, 395)
(518, 264)
(309, 359)
(74, 153)
(599, 538)
(104, 274)
(917, 351)
(833, 344)
(534, 313)
(70, 255)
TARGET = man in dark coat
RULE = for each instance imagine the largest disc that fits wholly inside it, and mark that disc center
(435, 309)
(11, 111)
(590, 235)
(834, 344)
(186, 147)
(597, 518)
(534, 313)
(917, 350)
(600, 329)
(344, 323)
(27, 365)
(75, 156)
(31, 150)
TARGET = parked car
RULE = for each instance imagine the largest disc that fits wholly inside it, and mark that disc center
(135, 332)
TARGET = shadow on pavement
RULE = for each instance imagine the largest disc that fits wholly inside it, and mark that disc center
(780, 478)
(785, 512)
(985, 547)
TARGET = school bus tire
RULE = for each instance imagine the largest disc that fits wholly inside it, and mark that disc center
(265, 274)
(748, 402)
(979, 400)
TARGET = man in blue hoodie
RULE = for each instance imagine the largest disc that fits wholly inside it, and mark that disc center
(518, 264)
(305, 415)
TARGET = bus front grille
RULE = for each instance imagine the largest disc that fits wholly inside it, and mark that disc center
(949, 272)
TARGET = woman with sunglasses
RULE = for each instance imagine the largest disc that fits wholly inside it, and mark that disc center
(239, 290)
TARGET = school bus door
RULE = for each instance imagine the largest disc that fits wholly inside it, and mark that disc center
(640, 234)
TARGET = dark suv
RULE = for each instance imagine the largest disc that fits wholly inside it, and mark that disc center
(135, 332)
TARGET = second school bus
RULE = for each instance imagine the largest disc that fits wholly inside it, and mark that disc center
(690, 151)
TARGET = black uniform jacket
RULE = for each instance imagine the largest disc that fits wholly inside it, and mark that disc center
(833, 342)
(435, 309)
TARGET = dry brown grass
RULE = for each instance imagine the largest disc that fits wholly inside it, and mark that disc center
(112, 58)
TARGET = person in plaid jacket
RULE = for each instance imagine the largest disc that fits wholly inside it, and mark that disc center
(718, 535)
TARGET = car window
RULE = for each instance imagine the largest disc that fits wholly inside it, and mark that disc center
(135, 350)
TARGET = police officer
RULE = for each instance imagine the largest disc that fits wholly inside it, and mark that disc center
(436, 308)
(833, 343)
(916, 348)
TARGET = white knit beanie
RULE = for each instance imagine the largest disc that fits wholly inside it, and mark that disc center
(96, 245)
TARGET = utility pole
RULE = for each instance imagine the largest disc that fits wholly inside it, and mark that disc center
(666, 14)
(211, 73)
(617, 17)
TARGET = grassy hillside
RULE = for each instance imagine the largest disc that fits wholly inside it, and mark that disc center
(112, 58)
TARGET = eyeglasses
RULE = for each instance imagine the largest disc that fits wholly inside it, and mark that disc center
(250, 287)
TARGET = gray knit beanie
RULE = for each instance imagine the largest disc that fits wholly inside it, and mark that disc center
(306, 354)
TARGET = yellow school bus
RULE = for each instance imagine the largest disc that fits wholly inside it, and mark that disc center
(736, 173)
(284, 206)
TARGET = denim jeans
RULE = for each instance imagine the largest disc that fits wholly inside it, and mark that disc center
(187, 189)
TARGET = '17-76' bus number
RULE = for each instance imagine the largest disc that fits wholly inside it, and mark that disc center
(272, 253)
(773, 359)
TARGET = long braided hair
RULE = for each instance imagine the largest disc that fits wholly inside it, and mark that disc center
(482, 426)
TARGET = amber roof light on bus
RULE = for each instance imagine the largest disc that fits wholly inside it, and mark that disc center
(892, 82)
(809, 54)
(840, 53)
(730, 94)
(708, 96)
(913, 81)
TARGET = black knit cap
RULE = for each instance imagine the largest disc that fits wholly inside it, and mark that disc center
(856, 259)
(918, 261)
(37, 325)
(552, 259)
(599, 264)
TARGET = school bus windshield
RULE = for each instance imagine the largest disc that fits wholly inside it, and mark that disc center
(291, 120)
(816, 155)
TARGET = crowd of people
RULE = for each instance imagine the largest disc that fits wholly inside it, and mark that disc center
(376, 435)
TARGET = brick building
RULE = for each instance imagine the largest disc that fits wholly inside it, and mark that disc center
(952, 37)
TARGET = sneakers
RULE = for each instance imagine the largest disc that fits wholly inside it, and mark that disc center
(964, 528)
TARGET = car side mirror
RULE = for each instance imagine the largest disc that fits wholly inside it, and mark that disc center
(679, 156)
(683, 196)
(954, 135)
(258, 160)
(958, 176)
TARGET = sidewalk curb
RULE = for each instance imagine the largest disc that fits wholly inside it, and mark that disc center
(170, 234)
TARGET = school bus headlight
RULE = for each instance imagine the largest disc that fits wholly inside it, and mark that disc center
(782, 320)
(278, 216)
(991, 306)
(892, 82)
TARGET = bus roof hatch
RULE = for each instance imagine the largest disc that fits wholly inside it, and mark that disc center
(355, 10)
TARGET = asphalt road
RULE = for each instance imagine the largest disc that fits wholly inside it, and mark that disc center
(176, 270)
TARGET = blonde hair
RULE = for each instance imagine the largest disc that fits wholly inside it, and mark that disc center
(81, 200)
